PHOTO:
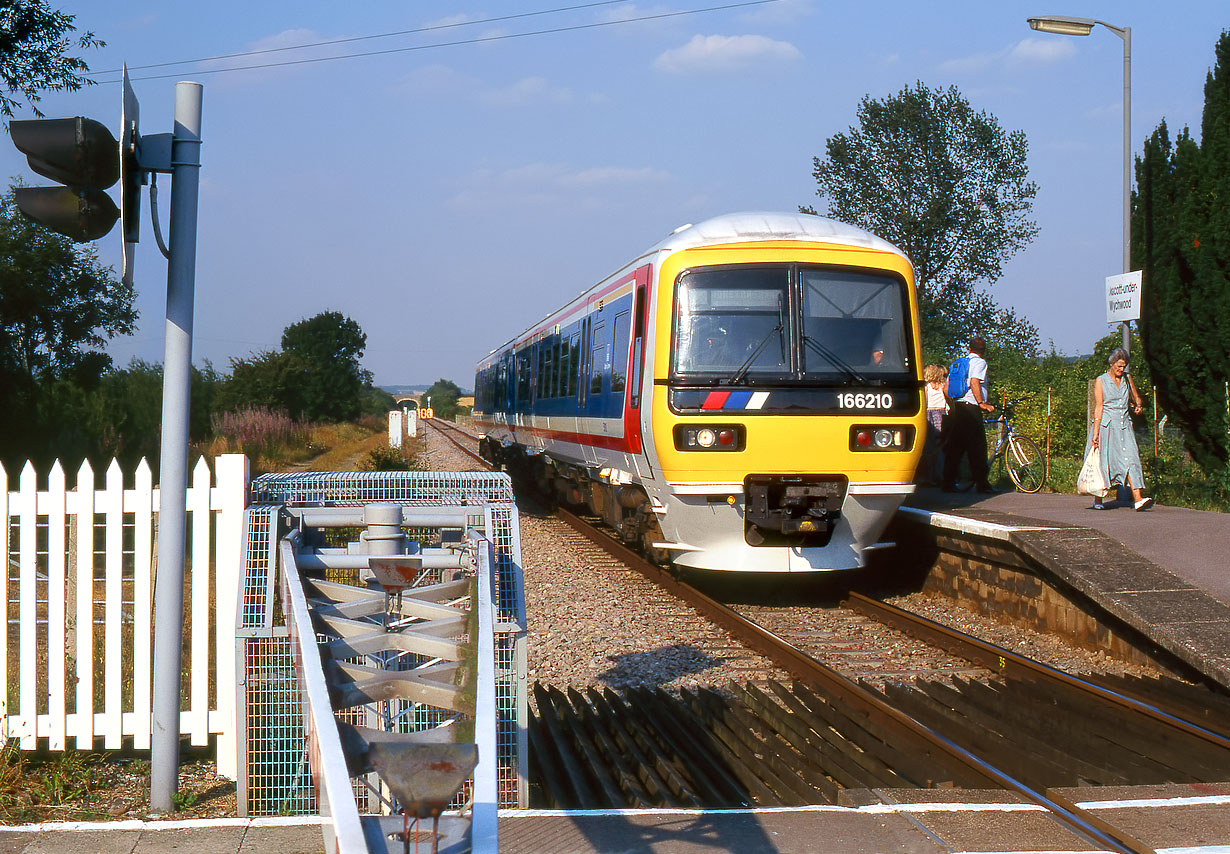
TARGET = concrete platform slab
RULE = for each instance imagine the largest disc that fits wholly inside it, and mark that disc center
(803, 831)
(219, 836)
(1159, 573)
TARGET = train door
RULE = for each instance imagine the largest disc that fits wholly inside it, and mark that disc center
(593, 348)
(634, 422)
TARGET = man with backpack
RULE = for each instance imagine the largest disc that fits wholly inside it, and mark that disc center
(963, 431)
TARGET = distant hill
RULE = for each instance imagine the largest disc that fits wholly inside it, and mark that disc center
(416, 389)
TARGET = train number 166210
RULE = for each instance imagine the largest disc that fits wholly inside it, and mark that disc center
(868, 400)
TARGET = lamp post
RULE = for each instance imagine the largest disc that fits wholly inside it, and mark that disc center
(1082, 27)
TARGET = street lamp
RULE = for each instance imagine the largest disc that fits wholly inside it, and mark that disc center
(1082, 27)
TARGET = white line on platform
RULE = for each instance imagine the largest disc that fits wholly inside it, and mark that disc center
(1137, 803)
(154, 824)
(1197, 849)
(966, 525)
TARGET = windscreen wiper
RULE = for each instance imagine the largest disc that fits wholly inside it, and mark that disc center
(834, 359)
(747, 364)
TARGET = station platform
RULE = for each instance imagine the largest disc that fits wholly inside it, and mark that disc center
(1172, 819)
(1164, 572)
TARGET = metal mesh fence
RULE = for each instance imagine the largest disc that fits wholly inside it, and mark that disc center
(275, 770)
(411, 488)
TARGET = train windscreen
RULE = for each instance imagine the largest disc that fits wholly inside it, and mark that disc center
(789, 322)
(852, 322)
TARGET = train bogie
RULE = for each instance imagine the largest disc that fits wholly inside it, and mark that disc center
(745, 396)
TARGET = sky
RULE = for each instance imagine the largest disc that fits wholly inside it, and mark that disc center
(502, 156)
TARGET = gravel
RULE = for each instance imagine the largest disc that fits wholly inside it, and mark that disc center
(593, 622)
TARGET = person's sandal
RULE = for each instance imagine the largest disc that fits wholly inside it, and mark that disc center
(1098, 505)
(1143, 504)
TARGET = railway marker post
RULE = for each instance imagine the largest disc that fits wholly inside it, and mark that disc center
(173, 472)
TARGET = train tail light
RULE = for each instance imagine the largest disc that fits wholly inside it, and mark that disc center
(881, 438)
(710, 437)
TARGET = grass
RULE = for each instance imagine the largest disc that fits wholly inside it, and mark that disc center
(1171, 477)
(347, 446)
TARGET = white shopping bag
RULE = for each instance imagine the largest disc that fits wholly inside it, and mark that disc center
(1090, 480)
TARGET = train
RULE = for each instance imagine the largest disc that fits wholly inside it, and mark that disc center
(743, 396)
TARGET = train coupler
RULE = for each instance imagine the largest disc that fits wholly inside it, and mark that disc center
(798, 510)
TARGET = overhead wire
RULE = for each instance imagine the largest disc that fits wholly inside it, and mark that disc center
(457, 43)
(395, 33)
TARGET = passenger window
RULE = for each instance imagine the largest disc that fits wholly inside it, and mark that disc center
(555, 367)
(598, 363)
(574, 368)
(619, 365)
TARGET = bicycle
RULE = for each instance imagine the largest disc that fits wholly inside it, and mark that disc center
(1021, 455)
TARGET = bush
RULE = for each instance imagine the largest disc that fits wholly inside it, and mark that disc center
(259, 432)
(386, 459)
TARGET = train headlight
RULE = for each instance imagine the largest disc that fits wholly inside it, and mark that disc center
(877, 438)
(705, 437)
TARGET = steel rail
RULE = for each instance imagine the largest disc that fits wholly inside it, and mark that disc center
(793, 660)
(862, 702)
(447, 434)
(1009, 663)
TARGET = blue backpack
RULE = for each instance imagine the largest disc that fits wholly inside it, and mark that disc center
(958, 378)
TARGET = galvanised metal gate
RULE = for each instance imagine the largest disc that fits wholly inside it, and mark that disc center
(274, 767)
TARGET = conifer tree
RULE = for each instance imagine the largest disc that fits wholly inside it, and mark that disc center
(1181, 242)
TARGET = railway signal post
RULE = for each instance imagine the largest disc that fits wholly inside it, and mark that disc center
(84, 157)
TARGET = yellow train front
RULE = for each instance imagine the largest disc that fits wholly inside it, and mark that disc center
(771, 412)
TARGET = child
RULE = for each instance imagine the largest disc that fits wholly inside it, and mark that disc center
(935, 377)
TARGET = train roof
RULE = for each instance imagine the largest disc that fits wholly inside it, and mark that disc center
(742, 227)
(768, 225)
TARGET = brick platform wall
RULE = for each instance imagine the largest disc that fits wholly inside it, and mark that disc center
(995, 579)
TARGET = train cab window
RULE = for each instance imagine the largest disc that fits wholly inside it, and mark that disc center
(619, 361)
(733, 321)
(853, 323)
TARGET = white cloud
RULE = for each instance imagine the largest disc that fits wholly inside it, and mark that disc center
(628, 11)
(434, 80)
(611, 176)
(449, 21)
(1028, 51)
(527, 90)
(551, 185)
(725, 53)
(1039, 50)
(781, 12)
(445, 81)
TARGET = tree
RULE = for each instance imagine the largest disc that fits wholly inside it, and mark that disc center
(58, 307)
(444, 395)
(330, 380)
(950, 188)
(57, 302)
(1181, 242)
(34, 45)
(269, 379)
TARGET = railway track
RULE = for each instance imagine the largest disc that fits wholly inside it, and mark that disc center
(992, 720)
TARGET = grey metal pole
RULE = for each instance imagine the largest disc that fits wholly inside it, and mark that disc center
(1126, 35)
(173, 471)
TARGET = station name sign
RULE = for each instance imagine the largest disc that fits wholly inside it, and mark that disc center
(1123, 297)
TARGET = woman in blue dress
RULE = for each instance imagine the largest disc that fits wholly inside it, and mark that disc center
(1111, 431)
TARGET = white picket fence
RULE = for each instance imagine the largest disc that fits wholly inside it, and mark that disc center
(79, 593)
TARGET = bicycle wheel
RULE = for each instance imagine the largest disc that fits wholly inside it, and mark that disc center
(1025, 463)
